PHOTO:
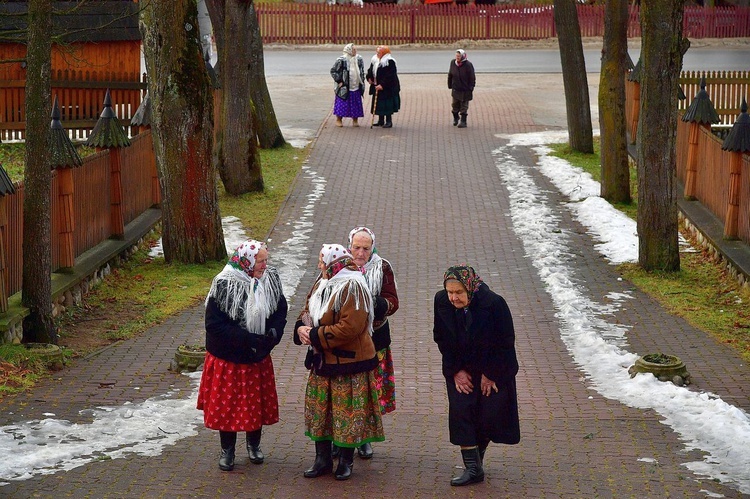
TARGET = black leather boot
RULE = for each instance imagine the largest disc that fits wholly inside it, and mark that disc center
(323, 462)
(379, 122)
(365, 451)
(253, 447)
(473, 472)
(228, 441)
(346, 463)
(388, 122)
(482, 447)
(335, 451)
(455, 118)
(462, 124)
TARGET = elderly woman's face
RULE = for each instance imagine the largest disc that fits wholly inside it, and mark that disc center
(354, 51)
(361, 248)
(458, 57)
(261, 262)
(380, 51)
(457, 294)
(321, 264)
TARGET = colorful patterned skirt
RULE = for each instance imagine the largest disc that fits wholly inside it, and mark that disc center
(343, 409)
(238, 397)
(351, 107)
(386, 381)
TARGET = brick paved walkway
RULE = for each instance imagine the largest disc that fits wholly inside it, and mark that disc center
(433, 195)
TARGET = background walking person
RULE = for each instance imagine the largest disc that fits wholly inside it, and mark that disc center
(349, 74)
(473, 329)
(383, 78)
(245, 320)
(461, 81)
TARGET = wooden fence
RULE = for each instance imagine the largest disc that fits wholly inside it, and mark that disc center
(725, 88)
(91, 204)
(394, 24)
(81, 95)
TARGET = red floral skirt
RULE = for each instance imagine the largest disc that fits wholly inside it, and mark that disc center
(238, 397)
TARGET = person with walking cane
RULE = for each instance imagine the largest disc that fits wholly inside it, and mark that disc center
(461, 81)
(384, 86)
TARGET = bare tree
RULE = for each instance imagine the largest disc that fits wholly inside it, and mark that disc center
(615, 184)
(36, 292)
(182, 121)
(574, 76)
(661, 57)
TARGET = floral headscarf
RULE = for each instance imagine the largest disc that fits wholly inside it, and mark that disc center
(466, 276)
(349, 48)
(243, 257)
(336, 258)
(463, 56)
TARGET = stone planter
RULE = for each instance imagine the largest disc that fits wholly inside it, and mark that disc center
(664, 367)
(51, 355)
(188, 358)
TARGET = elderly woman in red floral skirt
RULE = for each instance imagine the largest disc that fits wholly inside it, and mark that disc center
(245, 319)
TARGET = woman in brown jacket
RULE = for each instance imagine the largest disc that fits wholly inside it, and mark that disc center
(341, 399)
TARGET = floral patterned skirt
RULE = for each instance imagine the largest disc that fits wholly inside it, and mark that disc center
(386, 381)
(351, 107)
(343, 409)
(238, 397)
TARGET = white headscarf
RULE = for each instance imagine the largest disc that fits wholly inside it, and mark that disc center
(331, 291)
(374, 266)
(354, 77)
(241, 296)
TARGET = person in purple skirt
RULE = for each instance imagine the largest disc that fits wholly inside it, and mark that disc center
(348, 73)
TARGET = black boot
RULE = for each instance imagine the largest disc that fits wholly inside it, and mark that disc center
(323, 462)
(455, 118)
(365, 451)
(482, 449)
(473, 472)
(388, 122)
(335, 451)
(253, 447)
(346, 463)
(228, 440)
(379, 122)
(463, 121)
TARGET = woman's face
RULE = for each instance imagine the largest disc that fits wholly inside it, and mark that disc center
(457, 294)
(321, 264)
(458, 57)
(380, 51)
(361, 248)
(261, 262)
(354, 51)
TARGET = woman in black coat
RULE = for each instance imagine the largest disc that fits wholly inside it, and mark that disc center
(385, 86)
(473, 329)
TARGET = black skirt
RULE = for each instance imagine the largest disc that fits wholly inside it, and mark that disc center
(474, 418)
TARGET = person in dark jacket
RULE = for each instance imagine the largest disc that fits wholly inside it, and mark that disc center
(384, 86)
(341, 398)
(348, 73)
(245, 319)
(473, 329)
(461, 81)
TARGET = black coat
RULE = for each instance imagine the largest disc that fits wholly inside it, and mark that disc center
(228, 340)
(481, 341)
(387, 77)
(461, 80)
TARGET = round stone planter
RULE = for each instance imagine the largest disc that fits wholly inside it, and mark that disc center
(664, 367)
(51, 355)
(188, 358)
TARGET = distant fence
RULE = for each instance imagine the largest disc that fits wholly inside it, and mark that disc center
(393, 24)
(81, 95)
(91, 204)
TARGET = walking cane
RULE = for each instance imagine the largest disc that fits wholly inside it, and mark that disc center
(374, 107)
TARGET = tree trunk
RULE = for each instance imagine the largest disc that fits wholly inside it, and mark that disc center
(661, 56)
(574, 76)
(269, 133)
(237, 154)
(36, 293)
(615, 185)
(181, 120)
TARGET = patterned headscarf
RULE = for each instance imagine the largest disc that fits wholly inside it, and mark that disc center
(243, 257)
(463, 54)
(349, 48)
(335, 257)
(466, 276)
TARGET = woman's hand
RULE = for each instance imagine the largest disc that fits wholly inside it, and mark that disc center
(487, 386)
(463, 382)
(379, 87)
(341, 83)
(304, 334)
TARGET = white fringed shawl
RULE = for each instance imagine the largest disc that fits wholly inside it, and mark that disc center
(335, 291)
(244, 301)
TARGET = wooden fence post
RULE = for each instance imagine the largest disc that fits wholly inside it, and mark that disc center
(700, 114)
(6, 187)
(737, 143)
(109, 134)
